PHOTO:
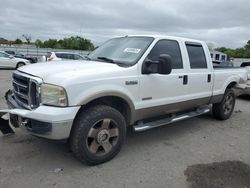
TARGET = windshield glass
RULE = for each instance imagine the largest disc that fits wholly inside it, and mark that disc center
(125, 50)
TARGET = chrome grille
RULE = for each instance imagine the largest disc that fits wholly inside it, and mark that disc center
(26, 90)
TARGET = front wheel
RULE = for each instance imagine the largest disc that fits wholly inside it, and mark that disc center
(224, 109)
(98, 134)
(19, 65)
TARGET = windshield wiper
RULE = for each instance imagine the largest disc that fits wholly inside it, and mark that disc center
(109, 60)
(106, 59)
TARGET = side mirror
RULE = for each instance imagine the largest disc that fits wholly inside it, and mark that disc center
(11, 56)
(165, 64)
(162, 66)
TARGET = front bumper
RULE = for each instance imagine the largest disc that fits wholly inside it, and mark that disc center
(45, 121)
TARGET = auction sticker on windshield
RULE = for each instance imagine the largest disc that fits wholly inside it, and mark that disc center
(132, 50)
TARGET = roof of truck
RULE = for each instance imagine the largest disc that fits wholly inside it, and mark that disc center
(167, 37)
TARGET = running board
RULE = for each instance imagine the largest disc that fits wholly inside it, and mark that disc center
(150, 125)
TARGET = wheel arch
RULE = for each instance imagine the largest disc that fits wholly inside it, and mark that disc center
(20, 62)
(120, 102)
(231, 84)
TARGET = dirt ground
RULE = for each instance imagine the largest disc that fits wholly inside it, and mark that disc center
(223, 174)
(199, 152)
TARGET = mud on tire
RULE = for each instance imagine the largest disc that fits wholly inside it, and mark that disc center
(98, 134)
(224, 109)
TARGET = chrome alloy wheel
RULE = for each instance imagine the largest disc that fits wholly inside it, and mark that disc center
(102, 137)
(228, 105)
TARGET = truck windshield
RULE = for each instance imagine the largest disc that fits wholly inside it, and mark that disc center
(124, 50)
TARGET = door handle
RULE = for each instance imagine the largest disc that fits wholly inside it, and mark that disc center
(185, 79)
(209, 78)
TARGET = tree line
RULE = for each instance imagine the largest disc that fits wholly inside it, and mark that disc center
(80, 43)
(243, 52)
(74, 43)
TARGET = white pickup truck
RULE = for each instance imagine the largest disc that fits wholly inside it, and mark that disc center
(138, 81)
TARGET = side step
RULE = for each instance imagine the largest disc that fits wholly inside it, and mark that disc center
(150, 125)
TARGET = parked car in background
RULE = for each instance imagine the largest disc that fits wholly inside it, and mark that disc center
(9, 61)
(223, 64)
(58, 56)
(10, 52)
(32, 59)
(247, 65)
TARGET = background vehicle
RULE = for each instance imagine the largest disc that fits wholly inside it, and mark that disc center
(247, 66)
(9, 61)
(58, 56)
(10, 52)
(32, 59)
(139, 81)
(223, 64)
(244, 63)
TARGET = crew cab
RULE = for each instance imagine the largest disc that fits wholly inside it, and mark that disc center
(138, 81)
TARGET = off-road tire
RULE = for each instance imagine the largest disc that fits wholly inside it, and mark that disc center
(225, 108)
(85, 122)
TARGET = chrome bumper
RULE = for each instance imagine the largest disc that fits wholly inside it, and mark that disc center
(46, 121)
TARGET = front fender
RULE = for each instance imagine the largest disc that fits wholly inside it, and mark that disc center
(93, 93)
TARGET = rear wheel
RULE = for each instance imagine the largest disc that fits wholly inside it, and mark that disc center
(98, 134)
(224, 109)
(20, 64)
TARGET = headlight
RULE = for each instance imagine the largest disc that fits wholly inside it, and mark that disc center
(53, 95)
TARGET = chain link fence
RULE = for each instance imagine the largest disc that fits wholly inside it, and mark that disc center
(37, 52)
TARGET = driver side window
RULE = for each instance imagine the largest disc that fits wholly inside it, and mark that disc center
(170, 47)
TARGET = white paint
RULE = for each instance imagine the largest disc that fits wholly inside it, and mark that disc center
(83, 80)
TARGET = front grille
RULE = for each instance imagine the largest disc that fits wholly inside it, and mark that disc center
(25, 90)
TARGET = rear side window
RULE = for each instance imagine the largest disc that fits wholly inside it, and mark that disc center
(196, 56)
(61, 55)
(170, 47)
(70, 56)
(77, 57)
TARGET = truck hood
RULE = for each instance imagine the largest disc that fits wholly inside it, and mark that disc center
(65, 71)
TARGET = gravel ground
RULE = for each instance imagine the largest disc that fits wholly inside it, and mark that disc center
(155, 158)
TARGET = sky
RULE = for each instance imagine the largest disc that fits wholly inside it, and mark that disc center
(218, 22)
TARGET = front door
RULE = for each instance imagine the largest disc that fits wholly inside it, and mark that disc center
(160, 94)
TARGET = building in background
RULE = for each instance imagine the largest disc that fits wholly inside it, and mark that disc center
(3, 41)
(218, 57)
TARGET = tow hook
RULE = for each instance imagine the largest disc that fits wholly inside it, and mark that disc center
(4, 126)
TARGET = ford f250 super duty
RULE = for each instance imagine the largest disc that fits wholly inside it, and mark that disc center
(138, 81)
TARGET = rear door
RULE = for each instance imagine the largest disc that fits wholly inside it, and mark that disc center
(200, 76)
